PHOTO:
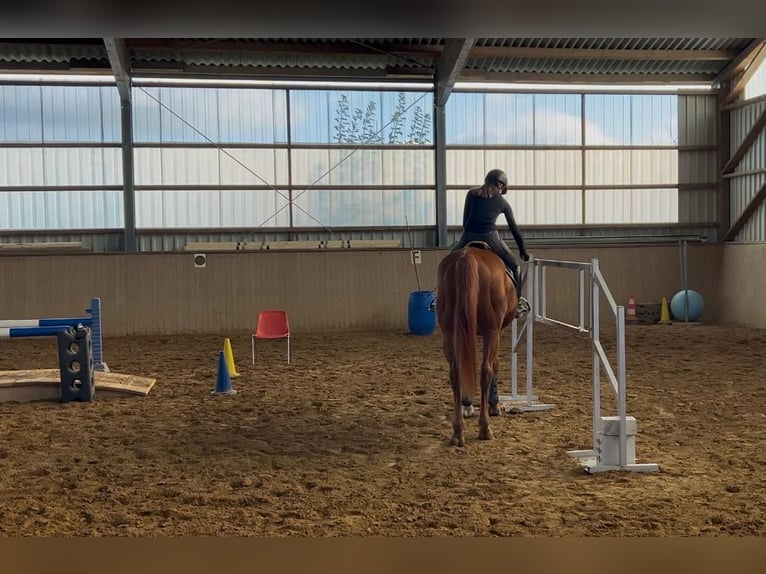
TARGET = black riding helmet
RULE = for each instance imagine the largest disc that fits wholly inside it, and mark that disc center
(496, 176)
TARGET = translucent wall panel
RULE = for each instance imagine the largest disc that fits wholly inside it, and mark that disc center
(631, 206)
(61, 210)
(513, 119)
(20, 114)
(21, 166)
(464, 117)
(211, 166)
(408, 167)
(59, 114)
(200, 115)
(364, 117)
(524, 167)
(253, 166)
(557, 167)
(551, 207)
(614, 119)
(625, 167)
(60, 166)
(557, 119)
(530, 207)
(350, 208)
(73, 166)
(362, 167)
(756, 86)
(189, 209)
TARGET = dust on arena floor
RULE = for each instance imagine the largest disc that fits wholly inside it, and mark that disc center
(351, 439)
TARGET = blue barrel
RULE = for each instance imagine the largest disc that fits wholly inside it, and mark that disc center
(420, 319)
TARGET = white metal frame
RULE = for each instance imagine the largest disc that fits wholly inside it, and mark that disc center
(537, 297)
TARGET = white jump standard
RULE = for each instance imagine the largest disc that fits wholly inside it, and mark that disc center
(614, 437)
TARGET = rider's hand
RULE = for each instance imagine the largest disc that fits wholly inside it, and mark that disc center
(524, 255)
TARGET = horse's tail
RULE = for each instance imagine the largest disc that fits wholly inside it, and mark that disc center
(466, 310)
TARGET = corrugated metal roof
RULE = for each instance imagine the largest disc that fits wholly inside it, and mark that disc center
(359, 54)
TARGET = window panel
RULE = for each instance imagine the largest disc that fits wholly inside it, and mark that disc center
(557, 167)
(61, 209)
(352, 208)
(554, 207)
(20, 114)
(190, 167)
(464, 119)
(337, 167)
(73, 166)
(347, 116)
(21, 166)
(631, 206)
(253, 166)
(557, 119)
(408, 167)
(71, 114)
(626, 167)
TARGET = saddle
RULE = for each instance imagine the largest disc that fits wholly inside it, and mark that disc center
(484, 245)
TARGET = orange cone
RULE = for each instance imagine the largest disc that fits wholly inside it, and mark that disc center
(631, 315)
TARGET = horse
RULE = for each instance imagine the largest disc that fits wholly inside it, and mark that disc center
(476, 297)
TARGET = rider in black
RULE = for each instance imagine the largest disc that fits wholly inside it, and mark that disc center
(483, 205)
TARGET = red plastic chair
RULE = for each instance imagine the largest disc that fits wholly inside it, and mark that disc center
(272, 324)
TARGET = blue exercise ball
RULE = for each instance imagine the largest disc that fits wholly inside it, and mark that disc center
(678, 305)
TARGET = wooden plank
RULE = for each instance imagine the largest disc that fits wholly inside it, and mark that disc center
(744, 217)
(274, 245)
(367, 243)
(739, 85)
(739, 63)
(744, 147)
(66, 246)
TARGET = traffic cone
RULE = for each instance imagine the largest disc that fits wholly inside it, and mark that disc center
(223, 382)
(631, 316)
(229, 358)
(665, 313)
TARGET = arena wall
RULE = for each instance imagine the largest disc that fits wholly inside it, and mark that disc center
(322, 290)
(743, 275)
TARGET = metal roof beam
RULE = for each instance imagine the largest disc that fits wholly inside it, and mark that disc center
(120, 62)
(748, 212)
(598, 54)
(450, 65)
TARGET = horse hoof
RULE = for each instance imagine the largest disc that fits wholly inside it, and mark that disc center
(486, 434)
(456, 441)
(494, 411)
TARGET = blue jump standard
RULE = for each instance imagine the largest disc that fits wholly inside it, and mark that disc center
(10, 328)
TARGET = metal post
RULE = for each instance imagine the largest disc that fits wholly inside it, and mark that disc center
(514, 359)
(582, 299)
(532, 282)
(544, 291)
(440, 159)
(621, 399)
(128, 186)
(596, 361)
(686, 283)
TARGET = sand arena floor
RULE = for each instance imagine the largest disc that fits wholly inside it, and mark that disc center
(351, 439)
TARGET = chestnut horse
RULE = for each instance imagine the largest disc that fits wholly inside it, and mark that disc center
(476, 297)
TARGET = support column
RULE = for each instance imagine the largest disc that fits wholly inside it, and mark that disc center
(724, 150)
(440, 158)
(128, 185)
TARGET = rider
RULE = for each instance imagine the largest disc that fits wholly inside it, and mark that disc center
(483, 205)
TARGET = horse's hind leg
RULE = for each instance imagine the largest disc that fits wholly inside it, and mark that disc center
(491, 348)
(457, 417)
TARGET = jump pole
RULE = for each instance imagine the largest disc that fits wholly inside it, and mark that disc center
(12, 328)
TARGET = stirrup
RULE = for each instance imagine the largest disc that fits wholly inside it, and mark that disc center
(522, 307)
